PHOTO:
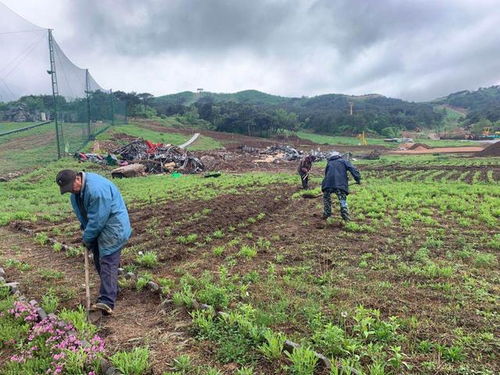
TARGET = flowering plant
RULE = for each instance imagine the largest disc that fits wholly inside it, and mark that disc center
(56, 340)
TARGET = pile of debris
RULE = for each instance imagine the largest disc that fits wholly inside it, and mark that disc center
(141, 157)
(97, 158)
(289, 153)
(374, 155)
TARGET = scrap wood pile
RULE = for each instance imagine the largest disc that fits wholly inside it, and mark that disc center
(141, 156)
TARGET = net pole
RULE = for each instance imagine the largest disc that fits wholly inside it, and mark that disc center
(55, 90)
(87, 92)
(112, 107)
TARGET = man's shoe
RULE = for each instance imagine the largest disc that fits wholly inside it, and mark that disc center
(107, 310)
(324, 217)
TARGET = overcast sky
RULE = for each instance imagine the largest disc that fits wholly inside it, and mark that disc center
(410, 49)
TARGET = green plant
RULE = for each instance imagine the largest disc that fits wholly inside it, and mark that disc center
(183, 364)
(41, 238)
(135, 362)
(148, 259)
(485, 259)
(75, 251)
(218, 234)
(452, 353)
(272, 348)
(78, 318)
(166, 285)
(213, 371)
(247, 251)
(47, 274)
(189, 239)
(57, 247)
(244, 371)
(331, 340)
(143, 280)
(219, 250)
(14, 263)
(303, 361)
(50, 301)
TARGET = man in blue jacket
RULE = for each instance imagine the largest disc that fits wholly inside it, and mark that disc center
(104, 220)
(336, 181)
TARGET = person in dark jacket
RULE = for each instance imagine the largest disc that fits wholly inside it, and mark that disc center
(304, 169)
(336, 181)
(105, 223)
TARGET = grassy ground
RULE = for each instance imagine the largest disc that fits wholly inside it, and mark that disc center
(339, 140)
(36, 147)
(408, 287)
(169, 136)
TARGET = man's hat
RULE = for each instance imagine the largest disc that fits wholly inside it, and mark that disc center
(65, 179)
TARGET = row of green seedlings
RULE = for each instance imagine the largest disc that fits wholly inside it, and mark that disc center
(193, 238)
(239, 325)
(43, 239)
(149, 259)
(63, 343)
(220, 233)
(371, 338)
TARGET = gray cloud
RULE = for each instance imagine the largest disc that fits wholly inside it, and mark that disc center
(417, 50)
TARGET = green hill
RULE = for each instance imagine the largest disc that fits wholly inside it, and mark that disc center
(480, 104)
(252, 97)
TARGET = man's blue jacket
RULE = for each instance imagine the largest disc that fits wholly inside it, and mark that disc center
(102, 213)
(336, 174)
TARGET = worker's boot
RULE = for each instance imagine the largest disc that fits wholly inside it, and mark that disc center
(344, 212)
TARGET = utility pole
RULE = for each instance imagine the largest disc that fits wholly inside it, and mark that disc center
(87, 92)
(351, 104)
(55, 90)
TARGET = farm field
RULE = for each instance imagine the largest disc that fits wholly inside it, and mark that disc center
(35, 147)
(410, 286)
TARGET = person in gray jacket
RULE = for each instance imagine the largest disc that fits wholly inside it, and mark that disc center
(336, 182)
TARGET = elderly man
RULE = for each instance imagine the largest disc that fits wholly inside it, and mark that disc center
(336, 182)
(104, 220)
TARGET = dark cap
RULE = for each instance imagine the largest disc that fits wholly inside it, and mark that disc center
(65, 179)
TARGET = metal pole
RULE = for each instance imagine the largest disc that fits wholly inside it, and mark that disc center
(55, 90)
(87, 91)
(112, 107)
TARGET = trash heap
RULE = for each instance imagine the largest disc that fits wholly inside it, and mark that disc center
(144, 157)
(289, 153)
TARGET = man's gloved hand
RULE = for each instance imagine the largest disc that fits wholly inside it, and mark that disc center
(85, 244)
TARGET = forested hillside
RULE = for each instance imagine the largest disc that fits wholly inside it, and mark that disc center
(480, 104)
